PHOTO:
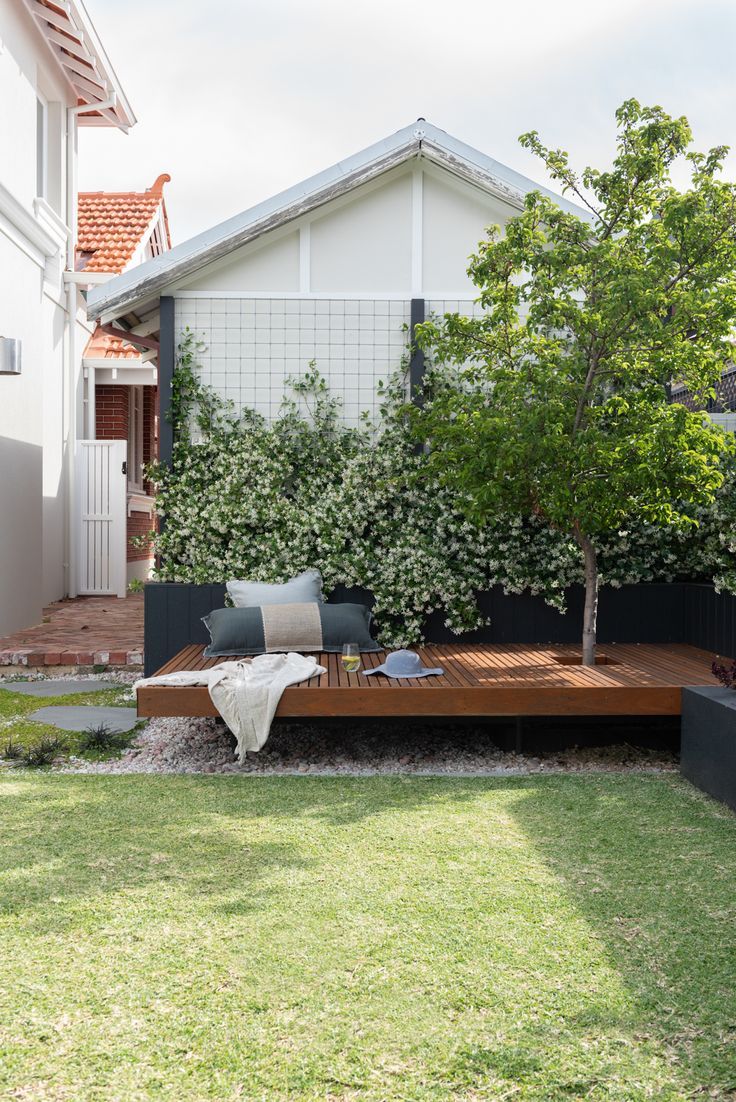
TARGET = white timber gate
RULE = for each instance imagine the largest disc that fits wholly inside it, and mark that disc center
(101, 528)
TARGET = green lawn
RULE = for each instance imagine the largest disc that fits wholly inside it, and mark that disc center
(23, 732)
(568, 937)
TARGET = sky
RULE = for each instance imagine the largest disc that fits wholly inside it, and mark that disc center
(239, 100)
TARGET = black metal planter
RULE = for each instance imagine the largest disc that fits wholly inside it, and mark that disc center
(708, 741)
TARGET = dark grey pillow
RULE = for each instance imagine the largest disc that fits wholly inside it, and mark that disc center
(270, 629)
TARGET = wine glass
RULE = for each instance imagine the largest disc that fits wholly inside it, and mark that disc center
(351, 657)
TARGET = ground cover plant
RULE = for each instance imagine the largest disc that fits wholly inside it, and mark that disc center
(21, 737)
(549, 938)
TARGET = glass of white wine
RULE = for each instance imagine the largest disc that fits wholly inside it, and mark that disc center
(351, 657)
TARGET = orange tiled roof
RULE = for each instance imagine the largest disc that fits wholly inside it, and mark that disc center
(101, 346)
(111, 226)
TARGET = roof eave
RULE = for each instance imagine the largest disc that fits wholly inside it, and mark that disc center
(73, 43)
(142, 283)
(195, 253)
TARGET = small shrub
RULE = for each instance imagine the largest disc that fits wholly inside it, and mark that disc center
(725, 674)
(135, 585)
(43, 752)
(12, 751)
(99, 667)
(101, 738)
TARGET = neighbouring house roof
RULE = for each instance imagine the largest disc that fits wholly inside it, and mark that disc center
(418, 139)
(112, 226)
(102, 346)
(73, 43)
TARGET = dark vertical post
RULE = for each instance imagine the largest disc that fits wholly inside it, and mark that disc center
(416, 363)
(166, 360)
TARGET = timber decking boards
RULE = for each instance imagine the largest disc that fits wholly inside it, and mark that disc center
(479, 680)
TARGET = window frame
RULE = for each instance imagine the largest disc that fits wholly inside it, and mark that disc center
(42, 146)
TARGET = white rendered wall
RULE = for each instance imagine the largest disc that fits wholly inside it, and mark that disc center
(32, 308)
(21, 445)
(273, 266)
(365, 246)
(456, 218)
(25, 71)
(254, 345)
(409, 234)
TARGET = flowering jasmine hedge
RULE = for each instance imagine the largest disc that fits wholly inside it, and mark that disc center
(248, 499)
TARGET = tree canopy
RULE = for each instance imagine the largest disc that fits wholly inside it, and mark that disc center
(559, 402)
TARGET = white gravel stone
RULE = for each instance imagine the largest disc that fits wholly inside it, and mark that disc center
(355, 748)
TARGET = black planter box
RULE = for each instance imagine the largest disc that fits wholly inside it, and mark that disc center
(666, 612)
(708, 746)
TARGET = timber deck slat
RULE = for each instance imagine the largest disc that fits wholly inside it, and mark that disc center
(479, 680)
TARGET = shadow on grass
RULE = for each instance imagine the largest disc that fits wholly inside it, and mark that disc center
(69, 838)
(646, 862)
(652, 872)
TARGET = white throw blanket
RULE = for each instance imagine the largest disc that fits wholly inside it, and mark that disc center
(246, 693)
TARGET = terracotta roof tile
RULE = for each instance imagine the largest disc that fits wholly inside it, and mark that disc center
(101, 346)
(111, 226)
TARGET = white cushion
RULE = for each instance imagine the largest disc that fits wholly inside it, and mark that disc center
(306, 588)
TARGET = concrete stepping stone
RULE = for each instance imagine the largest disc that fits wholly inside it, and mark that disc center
(55, 687)
(70, 717)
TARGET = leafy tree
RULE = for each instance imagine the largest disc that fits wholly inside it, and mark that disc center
(559, 406)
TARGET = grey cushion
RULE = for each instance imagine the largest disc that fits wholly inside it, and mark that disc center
(301, 589)
(236, 631)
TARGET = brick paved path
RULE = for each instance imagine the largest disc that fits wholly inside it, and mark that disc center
(84, 631)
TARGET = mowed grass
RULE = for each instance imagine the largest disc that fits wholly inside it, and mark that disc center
(568, 937)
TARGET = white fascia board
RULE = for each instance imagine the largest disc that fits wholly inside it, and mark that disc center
(127, 290)
(508, 184)
(189, 256)
(123, 110)
(138, 257)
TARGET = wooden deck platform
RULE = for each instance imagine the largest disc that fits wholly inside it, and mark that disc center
(479, 680)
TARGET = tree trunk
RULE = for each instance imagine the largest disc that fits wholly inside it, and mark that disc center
(590, 614)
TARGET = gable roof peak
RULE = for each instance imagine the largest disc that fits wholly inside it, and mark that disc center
(419, 139)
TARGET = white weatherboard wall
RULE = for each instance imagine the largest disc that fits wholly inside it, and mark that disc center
(336, 287)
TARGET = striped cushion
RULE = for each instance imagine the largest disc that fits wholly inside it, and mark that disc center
(305, 628)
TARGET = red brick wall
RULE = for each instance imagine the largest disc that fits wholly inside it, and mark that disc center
(111, 412)
(138, 525)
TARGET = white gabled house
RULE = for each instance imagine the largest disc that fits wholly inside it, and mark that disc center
(54, 77)
(335, 269)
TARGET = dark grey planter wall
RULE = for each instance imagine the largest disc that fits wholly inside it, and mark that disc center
(708, 747)
(172, 617)
(710, 619)
(667, 613)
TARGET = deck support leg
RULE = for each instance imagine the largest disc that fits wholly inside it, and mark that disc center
(518, 734)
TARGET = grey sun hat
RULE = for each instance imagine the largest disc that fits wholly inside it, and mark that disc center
(403, 663)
